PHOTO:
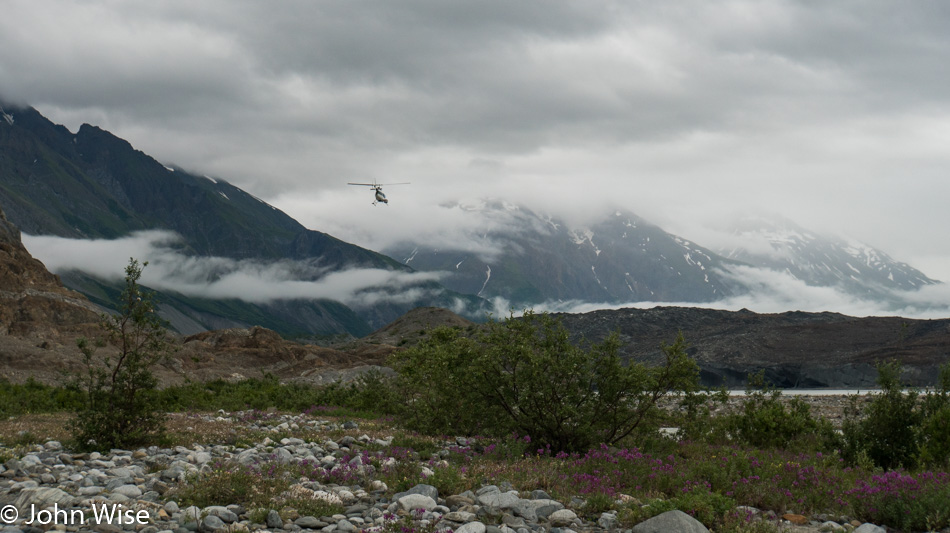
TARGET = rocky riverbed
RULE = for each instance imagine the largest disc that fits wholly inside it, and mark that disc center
(48, 487)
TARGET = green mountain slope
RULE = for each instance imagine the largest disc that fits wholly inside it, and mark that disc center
(92, 184)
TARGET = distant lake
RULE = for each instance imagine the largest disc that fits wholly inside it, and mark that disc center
(826, 392)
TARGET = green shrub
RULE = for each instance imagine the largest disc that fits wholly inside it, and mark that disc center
(598, 503)
(118, 410)
(888, 432)
(900, 429)
(696, 421)
(35, 397)
(766, 421)
(706, 506)
(434, 384)
(525, 376)
(935, 426)
(449, 480)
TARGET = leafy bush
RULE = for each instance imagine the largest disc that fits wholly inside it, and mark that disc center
(117, 409)
(696, 419)
(766, 421)
(35, 397)
(434, 383)
(901, 429)
(449, 479)
(525, 376)
(935, 427)
(888, 432)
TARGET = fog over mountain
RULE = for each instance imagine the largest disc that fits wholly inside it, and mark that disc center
(764, 264)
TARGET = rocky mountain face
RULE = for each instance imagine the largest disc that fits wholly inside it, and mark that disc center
(794, 349)
(540, 258)
(820, 260)
(33, 301)
(92, 184)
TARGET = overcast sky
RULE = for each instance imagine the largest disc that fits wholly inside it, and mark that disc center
(834, 114)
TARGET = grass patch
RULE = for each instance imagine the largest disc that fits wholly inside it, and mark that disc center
(259, 488)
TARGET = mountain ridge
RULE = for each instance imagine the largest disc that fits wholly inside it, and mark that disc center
(620, 258)
(820, 260)
(623, 258)
(93, 184)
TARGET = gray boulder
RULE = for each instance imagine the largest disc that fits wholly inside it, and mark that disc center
(561, 518)
(212, 523)
(491, 496)
(607, 520)
(129, 491)
(225, 514)
(869, 528)
(43, 497)
(411, 502)
(425, 490)
(530, 510)
(472, 527)
(671, 522)
(273, 520)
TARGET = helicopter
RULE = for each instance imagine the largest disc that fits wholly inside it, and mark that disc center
(378, 187)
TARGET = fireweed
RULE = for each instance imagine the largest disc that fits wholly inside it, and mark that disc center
(705, 477)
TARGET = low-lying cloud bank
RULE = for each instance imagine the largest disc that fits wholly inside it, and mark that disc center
(261, 282)
(219, 277)
(772, 291)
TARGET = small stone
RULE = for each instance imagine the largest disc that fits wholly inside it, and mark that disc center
(43, 497)
(310, 522)
(221, 512)
(869, 528)
(345, 526)
(273, 520)
(497, 499)
(607, 520)
(212, 522)
(457, 500)
(425, 490)
(797, 519)
(472, 527)
(460, 516)
(563, 517)
(513, 521)
(129, 491)
(411, 502)
(546, 510)
(670, 521)
(202, 458)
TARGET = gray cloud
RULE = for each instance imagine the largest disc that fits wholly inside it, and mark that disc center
(218, 277)
(834, 114)
(777, 292)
